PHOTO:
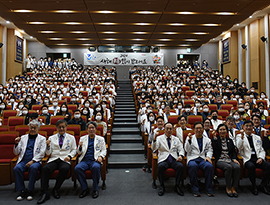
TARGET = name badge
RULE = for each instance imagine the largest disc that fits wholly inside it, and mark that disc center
(253, 152)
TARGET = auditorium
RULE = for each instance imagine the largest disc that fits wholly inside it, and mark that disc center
(134, 101)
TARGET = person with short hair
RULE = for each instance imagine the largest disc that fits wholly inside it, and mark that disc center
(251, 149)
(230, 122)
(62, 148)
(182, 122)
(199, 153)
(31, 149)
(45, 112)
(170, 155)
(215, 121)
(91, 150)
(77, 120)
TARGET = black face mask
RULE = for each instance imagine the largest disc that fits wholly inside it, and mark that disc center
(214, 117)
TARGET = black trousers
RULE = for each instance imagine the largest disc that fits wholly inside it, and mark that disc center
(49, 168)
(163, 166)
(251, 166)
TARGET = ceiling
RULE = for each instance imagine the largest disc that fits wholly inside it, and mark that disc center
(184, 23)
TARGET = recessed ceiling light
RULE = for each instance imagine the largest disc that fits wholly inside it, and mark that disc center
(138, 39)
(140, 32)
(183, 45)
(23, 11)
(72, 23)
(185, 12)
(8, 22)
(83, 39)
(78, 32)
(146, 12)
(225, 13)
(142, 24)
(165, 39)
(47, 31)
(199, 33)
(105, 12)
(22, 31)
(176, 24)
(62, 44)
(250, 17)
(110, 39)
(191, 39)
(169, 33)
(56, 39)
(107, 23)
(31, 36)
(36, 22)
(64, 11)
(210, 24)
(109, 32)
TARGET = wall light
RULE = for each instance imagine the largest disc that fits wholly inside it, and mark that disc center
(263, 39)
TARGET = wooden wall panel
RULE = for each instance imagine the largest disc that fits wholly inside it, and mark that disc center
(1, 52)
(262, 56)
(243, 56)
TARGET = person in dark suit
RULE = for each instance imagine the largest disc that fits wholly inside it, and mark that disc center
(226, 159)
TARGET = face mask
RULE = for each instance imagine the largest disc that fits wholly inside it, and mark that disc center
(182, 96)
(73, 99)
(24, 96)
(98, 109)
(20, 107)
(218, 101)
(175, 102)
(241, 109)
(262, 96)
(12, 100)
(55, 104)
(44, 112)
(197, 104)
(251, 96)
(25, 112)
(59, 92)
(151, 119)
(147, 104)
(206, 110)
(179, 106)
(5, 92)
(237, 96)
(160, 99)
(53, 96)
(32, 91)
(46, 101)
(2, 106)
(85, 112)
(202, 99)
(28, 100)
(77, 116)
(261, 110)
(104, 106)
(64, 109)
(162, 106)
(98, 117)
(236, 117)
(187, 109)
(214, 117)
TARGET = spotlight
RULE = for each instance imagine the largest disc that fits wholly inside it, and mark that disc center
(263, 39)
(244, 46)
(1, 44)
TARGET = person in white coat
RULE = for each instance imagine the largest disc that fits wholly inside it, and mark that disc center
(230, 122)
(31, 149)
(251, 149)
(91, 151)
(62, 148)
(182, 122)
(199, 153)
(170, 155)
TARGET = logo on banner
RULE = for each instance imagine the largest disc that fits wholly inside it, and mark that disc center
(156, 59)
(116, 61)
(91, 57)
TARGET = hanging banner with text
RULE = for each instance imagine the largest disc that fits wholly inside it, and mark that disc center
(123, 59)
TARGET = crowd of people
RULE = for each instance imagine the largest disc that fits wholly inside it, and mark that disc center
(193, 90)
(54, 87)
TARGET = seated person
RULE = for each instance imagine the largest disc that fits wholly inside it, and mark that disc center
(242, 112)
(204, 112)
(207, 127)
(100, 121)
(92, 150)
(238, 122)
(154, 131)
(226, 159)
(170, 155)
(258, 129)
(55, 106)
(232, 131)
(73, 100)
(147, 124)
(187, 110)
(25, 114)
(199, 153)
(64, 112)
(31, 149)
(215, 121)
(167, 113)
(182, 122)
(62, 148)
(77, 120)
(253, 156)
(218, 101)
(45, 112)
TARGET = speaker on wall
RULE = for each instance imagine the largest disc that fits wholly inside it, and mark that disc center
(92, 48)
(1, 45)
(244, 46)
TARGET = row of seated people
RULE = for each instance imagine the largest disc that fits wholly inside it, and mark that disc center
(223, 144)
(195, 94)
(55, 157)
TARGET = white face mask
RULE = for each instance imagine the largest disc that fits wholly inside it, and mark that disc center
(236, 117)
(25, 112)
(91, 100)
(55, 104)
(20, 107)
(46, 101)
(241, 109)
(98, 109)
(151, 119)
(162, 106)
(85, 112)
(77, 116)
(98, 117)
(187, 109)
(206, 110)
(179, 107)
(262, 96)
(44, 112)
(2, 106)
(87, 105)
(64, 109)
(104, 106)
(12, 100)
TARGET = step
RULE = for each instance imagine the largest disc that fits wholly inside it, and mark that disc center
(124, 106)
(124, 103)
(126, 148)
(126, 161)
(126, 130)
(126, 138)
(124, 115)
(124, 123)
(119, 98)
(124, 111)
(125, 119)
(124, 100)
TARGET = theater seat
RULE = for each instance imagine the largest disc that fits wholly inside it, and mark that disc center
(22, 129)
(54, 119)
(7, 114)
(50, 129)
(14, 121)
(191, 119)
(7, 141)
(173, 119)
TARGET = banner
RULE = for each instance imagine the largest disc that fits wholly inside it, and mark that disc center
(226, 51)
(19, 50)
(117, 59)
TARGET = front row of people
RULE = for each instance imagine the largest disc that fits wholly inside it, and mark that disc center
(199, 151)
(61, 147)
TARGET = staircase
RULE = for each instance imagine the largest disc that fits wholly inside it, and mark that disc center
(126, 150)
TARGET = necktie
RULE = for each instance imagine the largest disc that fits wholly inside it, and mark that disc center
(169, 145)
(231, 132)
(61, 141)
